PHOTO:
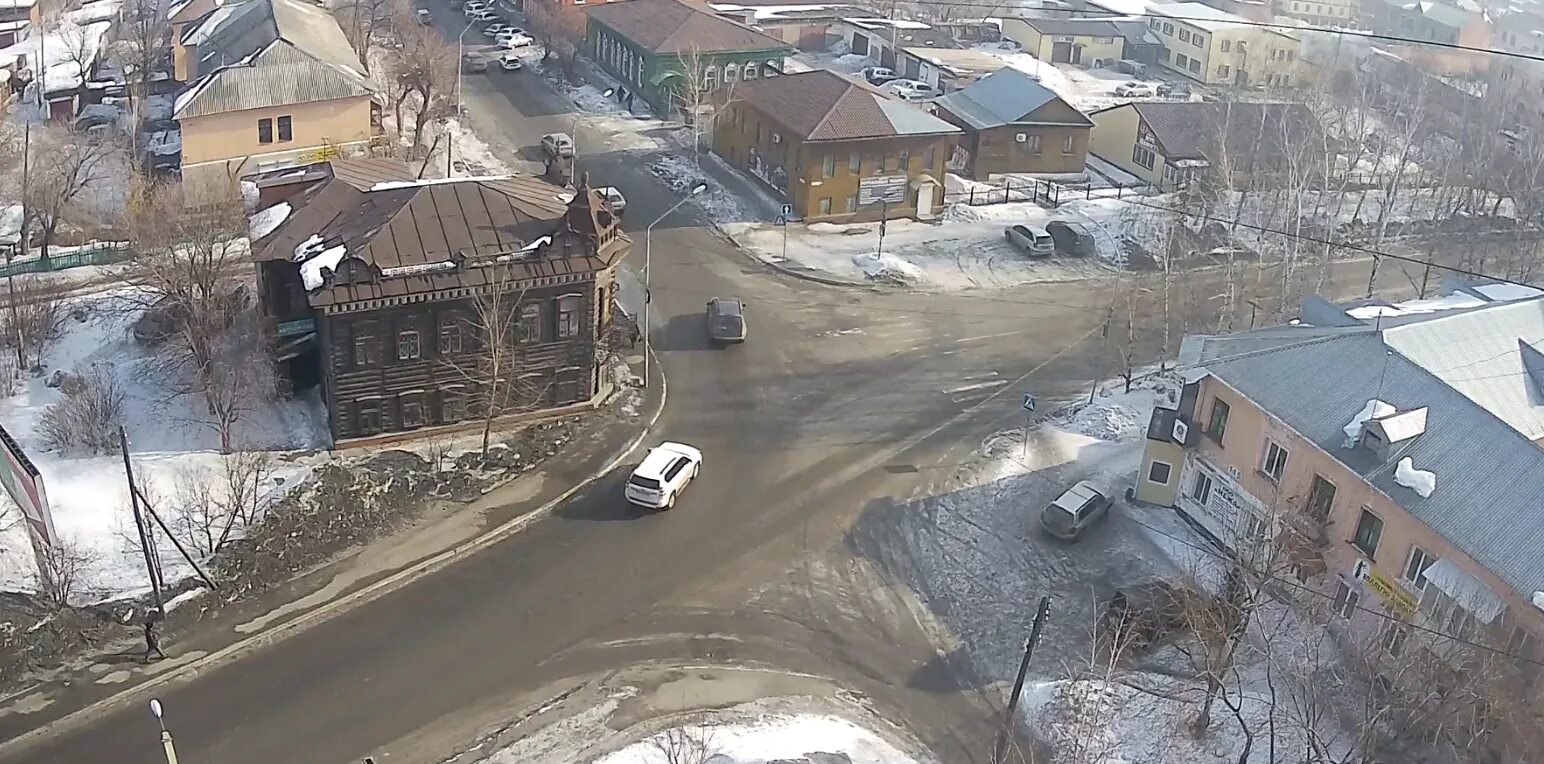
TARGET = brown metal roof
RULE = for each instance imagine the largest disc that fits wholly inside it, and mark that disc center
(680, 27)
(364, 172)
(822, 105)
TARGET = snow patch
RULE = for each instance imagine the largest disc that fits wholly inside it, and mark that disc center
(1453, 301)
(267, 221)
(1538, 600)
(313, 272)
(1423, 482)
(775, 738)
(1374, 409)
(391, 185)
(887, 267)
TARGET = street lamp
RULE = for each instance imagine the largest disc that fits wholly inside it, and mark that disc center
(460, 69)
(648, 296)
(574, 133)
(166, 735)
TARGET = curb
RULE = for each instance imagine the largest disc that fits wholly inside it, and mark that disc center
(786, 271)
(342, 605)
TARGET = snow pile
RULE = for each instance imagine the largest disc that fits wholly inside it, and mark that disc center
(888, 267)
(1374, 409)
(1454, 301)
(717, 202)
(783, 739)
(267, 221)
(66, 47)
(470, 153)
(313, 272)
(1108, 420)
(1538, 600)
(1423, 482)
(10, 224)
(172, 441)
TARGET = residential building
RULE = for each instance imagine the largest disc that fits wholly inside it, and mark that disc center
(1464, 31)
(835, 149)
(1013, 124)
(373, 282)
(806, 27)
(658, 47)
(1219, 48)
(945, 68)
(1170, 143)
(1091, 42)
(275, 84)
(881, 38)
(1324, 13)
(180, 17)
(1386, 454)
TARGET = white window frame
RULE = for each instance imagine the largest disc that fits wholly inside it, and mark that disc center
(1419, 582)
(1197, 493)
(1346, 599)
(1281, 465)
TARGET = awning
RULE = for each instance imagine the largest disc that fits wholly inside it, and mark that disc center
(1466, 590)
(663, 77)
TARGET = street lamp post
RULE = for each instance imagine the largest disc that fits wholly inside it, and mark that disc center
(460, 69)
(648, 249)
(166, 735)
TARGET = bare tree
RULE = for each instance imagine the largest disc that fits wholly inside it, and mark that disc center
(686, 745)
(86, 418)
(64, 563)
(64, 164)
(502, 325)
(560, 27)
(32, 321)
(423, 68)
(702, 93)
(144, 36)
(79, 44)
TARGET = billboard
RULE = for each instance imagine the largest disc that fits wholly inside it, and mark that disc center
(882, 189)
(25, 486)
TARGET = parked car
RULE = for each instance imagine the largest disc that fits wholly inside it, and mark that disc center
(1074, 511)
(662, 475)
(557, 144)
(1071, 238)
(1174, 89)
(912, 90)
(1135, 90)
(614, 199)
(485, 15)
(98, 115)
(1032, 240)
(510, 39)
(878, 75)
(475, 6)
(1133, 68)
(424, 18)
(492, 30)
(510, 62)
(726, 320)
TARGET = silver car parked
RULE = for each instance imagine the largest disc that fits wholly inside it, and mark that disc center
(1074, 511)
(1033, 240)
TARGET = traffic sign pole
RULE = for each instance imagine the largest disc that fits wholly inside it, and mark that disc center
(1029, 418)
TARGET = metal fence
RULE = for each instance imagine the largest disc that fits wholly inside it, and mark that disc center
(1049, 193)
(101, 254)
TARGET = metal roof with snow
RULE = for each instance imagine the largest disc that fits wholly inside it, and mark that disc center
(1006, 97)
(1488, 497)
(680, 27)
(822, 105)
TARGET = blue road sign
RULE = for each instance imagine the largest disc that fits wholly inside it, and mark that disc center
(787, 211)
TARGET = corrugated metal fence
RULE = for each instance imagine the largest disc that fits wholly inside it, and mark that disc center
(99, 254)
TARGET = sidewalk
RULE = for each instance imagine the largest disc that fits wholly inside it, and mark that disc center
(445, 533)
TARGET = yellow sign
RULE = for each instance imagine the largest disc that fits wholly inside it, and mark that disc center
(322, 154)
(1392, 594)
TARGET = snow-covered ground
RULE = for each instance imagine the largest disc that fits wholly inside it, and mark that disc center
(171, 440)
(769, 740)
(965, 250)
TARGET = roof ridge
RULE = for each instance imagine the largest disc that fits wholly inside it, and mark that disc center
(837, 101)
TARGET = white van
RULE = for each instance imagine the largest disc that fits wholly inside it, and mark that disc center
(662, 475)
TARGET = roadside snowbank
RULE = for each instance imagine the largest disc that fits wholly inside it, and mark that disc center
(796, 739)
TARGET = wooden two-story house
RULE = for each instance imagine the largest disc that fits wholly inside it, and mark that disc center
(385, 291)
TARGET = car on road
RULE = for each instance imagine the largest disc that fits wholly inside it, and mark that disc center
(557, 144)
(1032, 240)
(1133, 68)
(1135, 90)
(424, 18)
(492, 30)
(510, 62)
(1074, 511)
(912, 90)
(475, 6)
(662, 475)
(1174, 89)
(614, 199)
(726, 320)
(1071, 238)
(514, 38)
(878, 75)
(473, 62)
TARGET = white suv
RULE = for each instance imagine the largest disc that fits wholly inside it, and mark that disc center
(663, 474)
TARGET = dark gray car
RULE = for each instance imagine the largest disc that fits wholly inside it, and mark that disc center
(726, 320)
(1074, 511)
(1071, 238)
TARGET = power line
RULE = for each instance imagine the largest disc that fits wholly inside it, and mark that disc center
(1112, 15)
(1304, 587)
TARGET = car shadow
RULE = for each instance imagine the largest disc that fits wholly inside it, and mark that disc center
(683, 332)
(605, 502)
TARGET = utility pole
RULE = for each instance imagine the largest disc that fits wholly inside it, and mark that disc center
(1000, 748)
(139, 523)
(884, 215)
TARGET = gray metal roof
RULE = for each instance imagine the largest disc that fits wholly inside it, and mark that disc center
(275, 76)
(1489, 498)
(1004, 97)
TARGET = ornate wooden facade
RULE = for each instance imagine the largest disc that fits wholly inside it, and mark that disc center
(386, 286)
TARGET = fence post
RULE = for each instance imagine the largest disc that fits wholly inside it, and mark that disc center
(1007, 190)
(972, 200)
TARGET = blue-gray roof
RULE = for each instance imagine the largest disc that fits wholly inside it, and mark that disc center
(1489, 499)
(1004, 97)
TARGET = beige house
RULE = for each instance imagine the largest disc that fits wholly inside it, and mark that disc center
(274, 83)
(1220, 48)
(1091, 42)
(1404, 490)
